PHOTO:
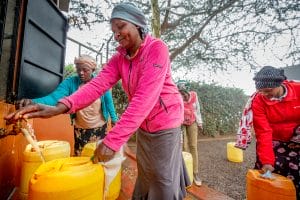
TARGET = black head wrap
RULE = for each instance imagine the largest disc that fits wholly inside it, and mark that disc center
(269, 77)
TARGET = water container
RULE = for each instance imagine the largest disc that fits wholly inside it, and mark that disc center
(115, 186)
(234, 154)
(70, 178)
(188, 160)
(280, 188)
(88, 149)
(51, 149)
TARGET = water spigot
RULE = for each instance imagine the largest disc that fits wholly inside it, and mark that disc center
(16, 129)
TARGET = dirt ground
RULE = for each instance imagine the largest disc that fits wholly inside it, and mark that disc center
(219, 173)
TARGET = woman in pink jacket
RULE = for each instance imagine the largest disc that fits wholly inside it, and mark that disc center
(155, 110)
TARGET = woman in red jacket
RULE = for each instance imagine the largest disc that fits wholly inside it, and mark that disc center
(276, 122)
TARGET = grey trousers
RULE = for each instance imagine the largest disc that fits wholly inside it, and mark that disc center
(161, 171)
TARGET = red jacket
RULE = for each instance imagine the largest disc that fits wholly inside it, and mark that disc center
(189, 115)
(275, 120)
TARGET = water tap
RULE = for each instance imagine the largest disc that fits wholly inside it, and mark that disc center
(16, 129)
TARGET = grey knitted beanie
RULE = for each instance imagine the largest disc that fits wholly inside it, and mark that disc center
(130, 12)
(269, 77)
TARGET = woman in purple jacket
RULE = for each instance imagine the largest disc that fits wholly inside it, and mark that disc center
(155, 109)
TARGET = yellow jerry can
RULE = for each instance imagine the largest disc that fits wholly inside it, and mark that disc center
(115, 186)
(67, 179)
(234, 154)
(51, 149)
(188, 160)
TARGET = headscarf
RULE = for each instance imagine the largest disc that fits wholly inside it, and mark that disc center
(269, 77)
(130, 12)
(183, 86)
(87, 60)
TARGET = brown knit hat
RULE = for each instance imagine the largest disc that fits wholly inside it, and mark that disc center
(269, 77)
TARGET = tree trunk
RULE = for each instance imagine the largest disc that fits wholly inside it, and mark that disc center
(155, 18)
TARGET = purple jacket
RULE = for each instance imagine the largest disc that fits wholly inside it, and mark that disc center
(154, 101)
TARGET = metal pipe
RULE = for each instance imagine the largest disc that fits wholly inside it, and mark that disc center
(107, 47)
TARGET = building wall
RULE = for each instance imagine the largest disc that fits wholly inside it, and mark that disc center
(10, 155)
(6, 47)
(293, 72)
(55, 128)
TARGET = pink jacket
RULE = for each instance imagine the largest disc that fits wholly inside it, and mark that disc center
(192, 110)
(154, 101)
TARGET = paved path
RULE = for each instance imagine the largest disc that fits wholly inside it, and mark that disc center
(233, 137)
(129, 175)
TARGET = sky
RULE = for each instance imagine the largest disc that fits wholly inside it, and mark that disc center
(233, 78)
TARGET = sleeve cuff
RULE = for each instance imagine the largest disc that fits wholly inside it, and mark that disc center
(66, 103)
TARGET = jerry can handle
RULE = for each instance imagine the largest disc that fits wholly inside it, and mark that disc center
(268, 175)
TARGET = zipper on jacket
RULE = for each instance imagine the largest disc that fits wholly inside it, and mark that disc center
(163, 104)
(128, 86)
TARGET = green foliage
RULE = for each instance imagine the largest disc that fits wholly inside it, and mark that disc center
(69, 70)
(120, 101)
(221, 108)
(120, 98)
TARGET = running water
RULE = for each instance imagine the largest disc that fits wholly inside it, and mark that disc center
(28, 132)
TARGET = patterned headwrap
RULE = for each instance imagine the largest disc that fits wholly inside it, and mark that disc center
(87, 60)
(269, 77)
(129, 11)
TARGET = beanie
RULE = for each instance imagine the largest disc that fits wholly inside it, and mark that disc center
(269, 77)
(129, 12)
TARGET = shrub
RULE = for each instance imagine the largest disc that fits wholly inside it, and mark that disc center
(221, 107)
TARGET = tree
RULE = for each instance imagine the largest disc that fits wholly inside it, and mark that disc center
(214, 34)
(83, 14)
(221, 108)
(155, 18)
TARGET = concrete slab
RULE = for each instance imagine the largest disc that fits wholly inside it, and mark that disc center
(129, 175)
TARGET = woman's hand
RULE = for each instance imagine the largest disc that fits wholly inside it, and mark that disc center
(103, 153)
(35, 111)
(200, 127)
(23, 102)
(267, 167)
